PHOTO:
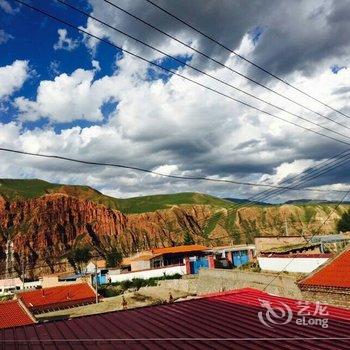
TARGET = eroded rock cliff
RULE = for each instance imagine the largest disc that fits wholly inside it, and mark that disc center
(43, 229)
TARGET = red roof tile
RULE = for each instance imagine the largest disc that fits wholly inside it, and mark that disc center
(13, 314)
(227, 320)
(334, 274)
(57, 297)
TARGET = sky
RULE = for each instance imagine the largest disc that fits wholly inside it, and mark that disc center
(65, 93)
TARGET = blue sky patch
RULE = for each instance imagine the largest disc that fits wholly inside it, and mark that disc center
(335, 68)
(255, 34)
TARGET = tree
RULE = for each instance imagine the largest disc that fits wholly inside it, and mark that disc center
(79, 257)
(344, 222)
(188, 240)
(113, 258)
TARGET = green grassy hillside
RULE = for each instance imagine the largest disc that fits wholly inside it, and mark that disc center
(13, 189)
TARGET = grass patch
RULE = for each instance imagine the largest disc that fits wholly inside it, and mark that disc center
(211, 224)
(13, 189)
(17, 189)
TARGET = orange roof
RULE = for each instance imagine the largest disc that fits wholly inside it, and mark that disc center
(334, 274)
(13, 314)
(150, 254)
(57, 297)
(179, 249)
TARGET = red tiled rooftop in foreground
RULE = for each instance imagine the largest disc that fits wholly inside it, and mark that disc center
(40, 300)
(220, 321)
(13, 314)
(335, 274)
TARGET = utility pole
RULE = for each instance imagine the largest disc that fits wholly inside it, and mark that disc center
(23, 270)
(286, 226)
(96, 282)
(9, 259)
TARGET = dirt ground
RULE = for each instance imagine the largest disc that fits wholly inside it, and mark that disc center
(143, 297)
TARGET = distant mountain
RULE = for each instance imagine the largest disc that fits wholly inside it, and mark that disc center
(244, 201)
(312, 201)
(15, 189)
(45, 220)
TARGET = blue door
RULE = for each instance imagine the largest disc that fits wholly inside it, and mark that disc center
(101, 279)
(240, 258)
(201, 263)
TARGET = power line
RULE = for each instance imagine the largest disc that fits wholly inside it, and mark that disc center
(311, 170)
(216, 61)
(207, 74)
(320, 169)
(199, 178)
(313, 174)
(302, 181)
(245, 59)
(178, 74)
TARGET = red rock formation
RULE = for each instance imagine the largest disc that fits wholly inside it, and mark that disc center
(44, 229)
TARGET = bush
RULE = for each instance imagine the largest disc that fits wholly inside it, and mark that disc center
(108, 292)
(343, 224)
(117, 288)
(113, 258)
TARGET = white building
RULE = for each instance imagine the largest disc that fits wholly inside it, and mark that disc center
(12, 285)
(299, 263)
(117, 276)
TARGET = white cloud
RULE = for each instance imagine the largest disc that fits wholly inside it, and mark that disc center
(174, 126)
(4, 37)
(166, 169)
(5, 6)
(64, 42)
(285, 170)
(66, 98)
(96, 65)
(12, 77)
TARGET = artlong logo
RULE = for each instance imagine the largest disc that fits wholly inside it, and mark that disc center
(280, 314)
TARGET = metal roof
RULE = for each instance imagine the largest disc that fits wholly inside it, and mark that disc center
(57, 297)
(180, 249)
(225, 320)
(334, 274)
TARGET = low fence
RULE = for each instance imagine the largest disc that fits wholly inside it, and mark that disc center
(145, 274)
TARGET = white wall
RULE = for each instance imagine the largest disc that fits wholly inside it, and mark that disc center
(304, 265)
(172, 270)
(32, 285)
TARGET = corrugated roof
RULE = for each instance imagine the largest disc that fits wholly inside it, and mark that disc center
(57, 297)
(13, 314)
(226, 320)
(334, 274)
(155, 252)
(296, 255)
(179, 249)
(290, 248)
